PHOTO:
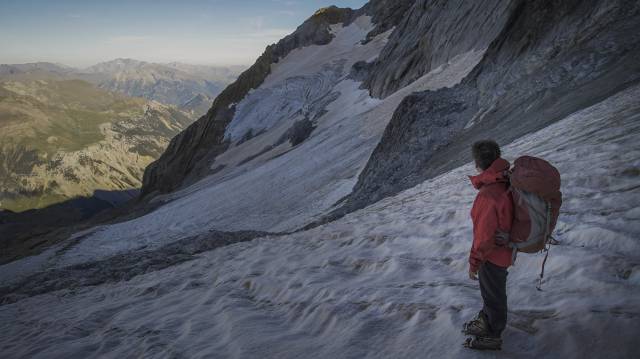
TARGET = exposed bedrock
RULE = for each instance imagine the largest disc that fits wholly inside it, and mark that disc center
(551, 59)
(431, 33)
(386, 14)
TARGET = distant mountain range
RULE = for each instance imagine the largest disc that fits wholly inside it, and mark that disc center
(178, 84)
(174, 83)
(66, 132)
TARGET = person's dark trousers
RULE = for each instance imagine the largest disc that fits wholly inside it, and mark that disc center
(493, 287)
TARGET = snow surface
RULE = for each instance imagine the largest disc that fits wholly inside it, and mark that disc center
(284, 188)
(387, 281)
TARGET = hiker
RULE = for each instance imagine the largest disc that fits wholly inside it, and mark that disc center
(492, 213)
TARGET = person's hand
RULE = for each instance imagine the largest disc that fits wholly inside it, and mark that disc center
(473, 275)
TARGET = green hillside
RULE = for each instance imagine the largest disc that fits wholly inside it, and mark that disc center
(65, 138)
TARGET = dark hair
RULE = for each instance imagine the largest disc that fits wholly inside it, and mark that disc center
(485, 152)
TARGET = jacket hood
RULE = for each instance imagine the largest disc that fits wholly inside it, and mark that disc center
(494, 174)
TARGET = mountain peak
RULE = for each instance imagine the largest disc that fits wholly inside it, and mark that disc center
(118, 64)
(332, 14)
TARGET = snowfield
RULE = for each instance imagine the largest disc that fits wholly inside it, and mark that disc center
(387, 281)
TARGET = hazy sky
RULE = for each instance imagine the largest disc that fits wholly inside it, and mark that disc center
(82, 33)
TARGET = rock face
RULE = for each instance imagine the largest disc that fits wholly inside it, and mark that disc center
(430, 34)
(550, 59)
(386, 14)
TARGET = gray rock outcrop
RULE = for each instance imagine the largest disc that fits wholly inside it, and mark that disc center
(431, 33)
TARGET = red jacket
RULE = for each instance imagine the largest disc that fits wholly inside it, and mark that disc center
(492, 211)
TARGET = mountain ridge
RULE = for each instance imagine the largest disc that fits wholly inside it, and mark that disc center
(171, 83)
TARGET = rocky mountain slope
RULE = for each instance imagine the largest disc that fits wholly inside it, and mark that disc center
(60, 139)
(321, 206)
(171, 84)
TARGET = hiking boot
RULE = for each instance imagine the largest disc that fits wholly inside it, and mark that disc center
(484, 343)
(478, 326)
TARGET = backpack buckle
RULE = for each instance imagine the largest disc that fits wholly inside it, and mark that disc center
(502, 238)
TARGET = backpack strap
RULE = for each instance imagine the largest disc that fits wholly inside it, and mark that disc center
(503, 238)
(539, 285)
(547, 244)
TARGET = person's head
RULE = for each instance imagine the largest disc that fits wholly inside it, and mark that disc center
(484, 153)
